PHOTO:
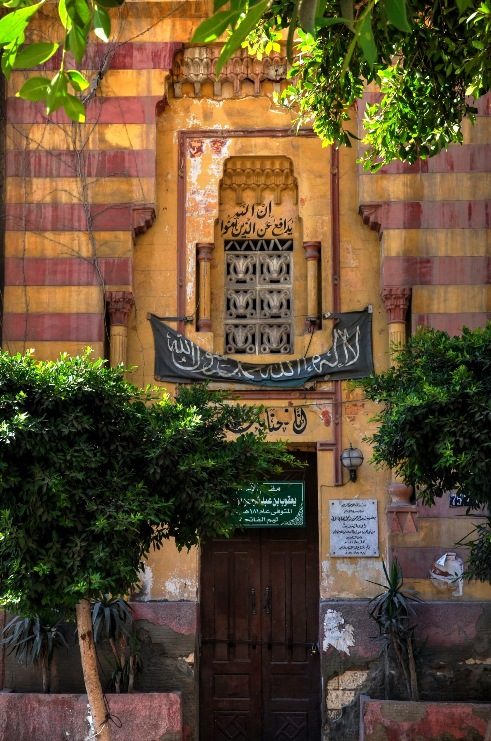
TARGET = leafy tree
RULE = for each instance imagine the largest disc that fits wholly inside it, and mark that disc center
(95, 472)
(426, 57)
(435, 424)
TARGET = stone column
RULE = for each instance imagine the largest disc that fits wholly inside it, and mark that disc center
(396, 302)
(204, 251)
(312, 256)
(119, 304)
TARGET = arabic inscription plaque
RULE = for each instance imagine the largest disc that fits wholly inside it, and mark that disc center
(280, 504)
(353, 527)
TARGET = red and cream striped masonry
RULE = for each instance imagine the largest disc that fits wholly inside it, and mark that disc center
(41, 258)
(434, 222)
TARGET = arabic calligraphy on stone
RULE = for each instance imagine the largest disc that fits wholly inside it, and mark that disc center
(353, 528)
(251, 220)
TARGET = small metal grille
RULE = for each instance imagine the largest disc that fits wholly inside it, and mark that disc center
(258, 296)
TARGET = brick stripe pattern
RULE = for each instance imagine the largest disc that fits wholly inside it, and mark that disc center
(57, 270)
(434, 222)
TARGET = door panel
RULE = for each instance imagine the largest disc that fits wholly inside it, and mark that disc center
(259, 677)
(229, 622)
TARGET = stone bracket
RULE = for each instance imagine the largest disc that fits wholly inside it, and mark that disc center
(142, 218)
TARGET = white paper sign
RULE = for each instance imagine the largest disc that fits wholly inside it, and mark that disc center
(354, 527)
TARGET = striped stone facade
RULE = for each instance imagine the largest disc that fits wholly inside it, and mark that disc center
(107, 221)
(434, 222)
(78, 195)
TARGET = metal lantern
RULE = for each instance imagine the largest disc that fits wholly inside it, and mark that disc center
(351, 458)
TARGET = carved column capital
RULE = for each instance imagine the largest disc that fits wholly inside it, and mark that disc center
(396, 302)
(204, 250)
(119, 304)
(312, 250)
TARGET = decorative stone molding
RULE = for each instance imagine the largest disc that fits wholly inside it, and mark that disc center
(142, 218)
(119, 304)
(312, 250)
(396, 302)
(402, 518)
(258, 174)
(371, 214)
(196, 65)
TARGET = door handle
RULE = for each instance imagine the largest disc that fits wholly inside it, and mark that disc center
(253, 601)
(267, 600)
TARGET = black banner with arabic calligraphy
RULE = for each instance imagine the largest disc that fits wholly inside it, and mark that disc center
(179, 360)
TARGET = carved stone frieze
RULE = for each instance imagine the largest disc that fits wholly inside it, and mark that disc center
(196, 65)
(258, 174)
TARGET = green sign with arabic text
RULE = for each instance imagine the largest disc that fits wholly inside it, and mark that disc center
(277, 504)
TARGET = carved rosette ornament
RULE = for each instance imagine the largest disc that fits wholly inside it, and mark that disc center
(119, 305)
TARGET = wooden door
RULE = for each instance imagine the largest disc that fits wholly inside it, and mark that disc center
(259, 660)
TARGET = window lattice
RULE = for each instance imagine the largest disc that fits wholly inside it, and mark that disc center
(258, 296)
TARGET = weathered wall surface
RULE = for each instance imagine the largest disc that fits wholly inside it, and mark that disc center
(452, 649)
(81, 257)
(28, 717)
(166, 633)
(383, 721)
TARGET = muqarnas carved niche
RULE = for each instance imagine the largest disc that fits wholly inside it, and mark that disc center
(194, 72)
(258, 175)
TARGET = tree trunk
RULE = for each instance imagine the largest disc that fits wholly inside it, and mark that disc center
(45, 674)
(91, 675)
(412, 670)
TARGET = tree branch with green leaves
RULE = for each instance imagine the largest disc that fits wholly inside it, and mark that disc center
(77, 19)
(425, 57)
(434, 424)
(94, 473)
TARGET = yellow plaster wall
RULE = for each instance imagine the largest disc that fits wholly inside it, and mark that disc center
(155, 276)
(174, 575)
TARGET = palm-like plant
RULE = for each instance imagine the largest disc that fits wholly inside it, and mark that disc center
(393, 611)
(33, 641)
(112, 620)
